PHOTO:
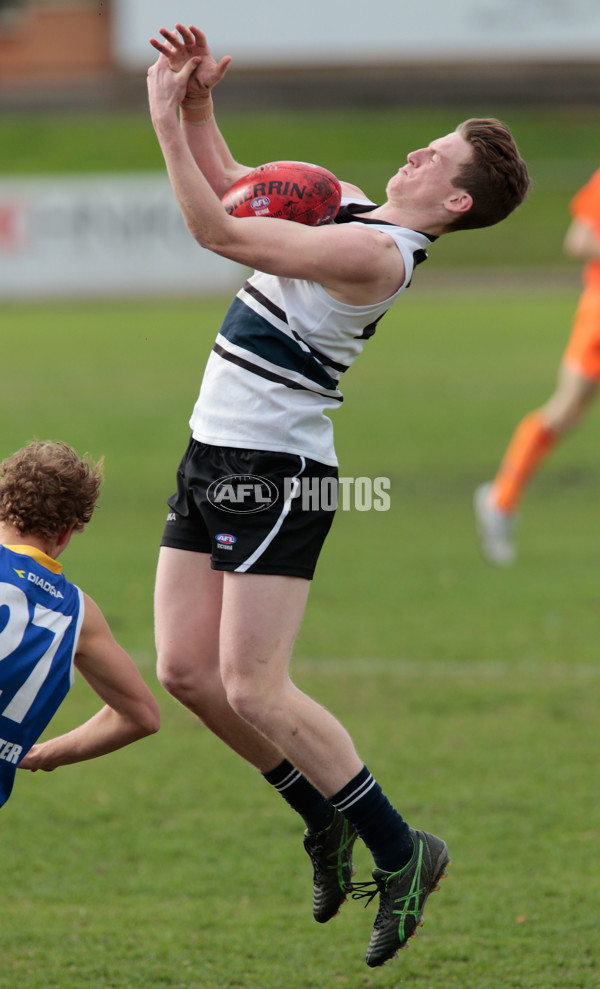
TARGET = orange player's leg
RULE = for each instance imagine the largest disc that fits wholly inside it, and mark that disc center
(530, 442)
(538, 432)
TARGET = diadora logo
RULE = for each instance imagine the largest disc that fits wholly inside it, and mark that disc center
(260, 202)
(45, 585)
(242, 494)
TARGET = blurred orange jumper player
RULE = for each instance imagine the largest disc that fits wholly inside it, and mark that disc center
(579, 376)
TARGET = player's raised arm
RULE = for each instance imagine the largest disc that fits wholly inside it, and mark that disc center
(130, 710)
(361, 266)
(208, 146)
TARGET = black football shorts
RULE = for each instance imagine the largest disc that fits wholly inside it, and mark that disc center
(254, 511)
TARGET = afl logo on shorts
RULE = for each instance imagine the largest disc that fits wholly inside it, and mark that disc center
(226, 538)
(242, 494)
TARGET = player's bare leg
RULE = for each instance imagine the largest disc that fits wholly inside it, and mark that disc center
(187, 620)
(260, 619)
(241, 628)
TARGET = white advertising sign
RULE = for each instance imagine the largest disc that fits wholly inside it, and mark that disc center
(268, 34)
(119, 235)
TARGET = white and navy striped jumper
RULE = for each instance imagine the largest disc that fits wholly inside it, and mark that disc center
(284, 344)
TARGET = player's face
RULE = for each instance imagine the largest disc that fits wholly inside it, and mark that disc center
(427, 176)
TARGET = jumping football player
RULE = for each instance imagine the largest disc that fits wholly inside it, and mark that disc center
(48, 626)
(227, 618)
(537, 434)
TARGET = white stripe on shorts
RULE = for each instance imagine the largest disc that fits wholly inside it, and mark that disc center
(258, 552)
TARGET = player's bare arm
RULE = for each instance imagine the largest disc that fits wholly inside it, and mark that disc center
(130, 710)
(358, 266)
(207, 144)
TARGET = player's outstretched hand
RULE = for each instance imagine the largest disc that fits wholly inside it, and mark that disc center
(188, 42)
(166, 88)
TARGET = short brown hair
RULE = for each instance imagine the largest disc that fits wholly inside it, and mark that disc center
(45, 489)
(495, 177)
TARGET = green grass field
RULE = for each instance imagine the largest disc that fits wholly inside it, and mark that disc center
(472, 693)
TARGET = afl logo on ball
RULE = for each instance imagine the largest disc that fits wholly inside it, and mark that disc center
(242, 494)
(260, 203)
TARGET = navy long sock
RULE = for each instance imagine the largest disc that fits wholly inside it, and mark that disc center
(314, 809)
(385, 833)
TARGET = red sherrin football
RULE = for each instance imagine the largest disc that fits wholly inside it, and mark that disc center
(289, 190)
